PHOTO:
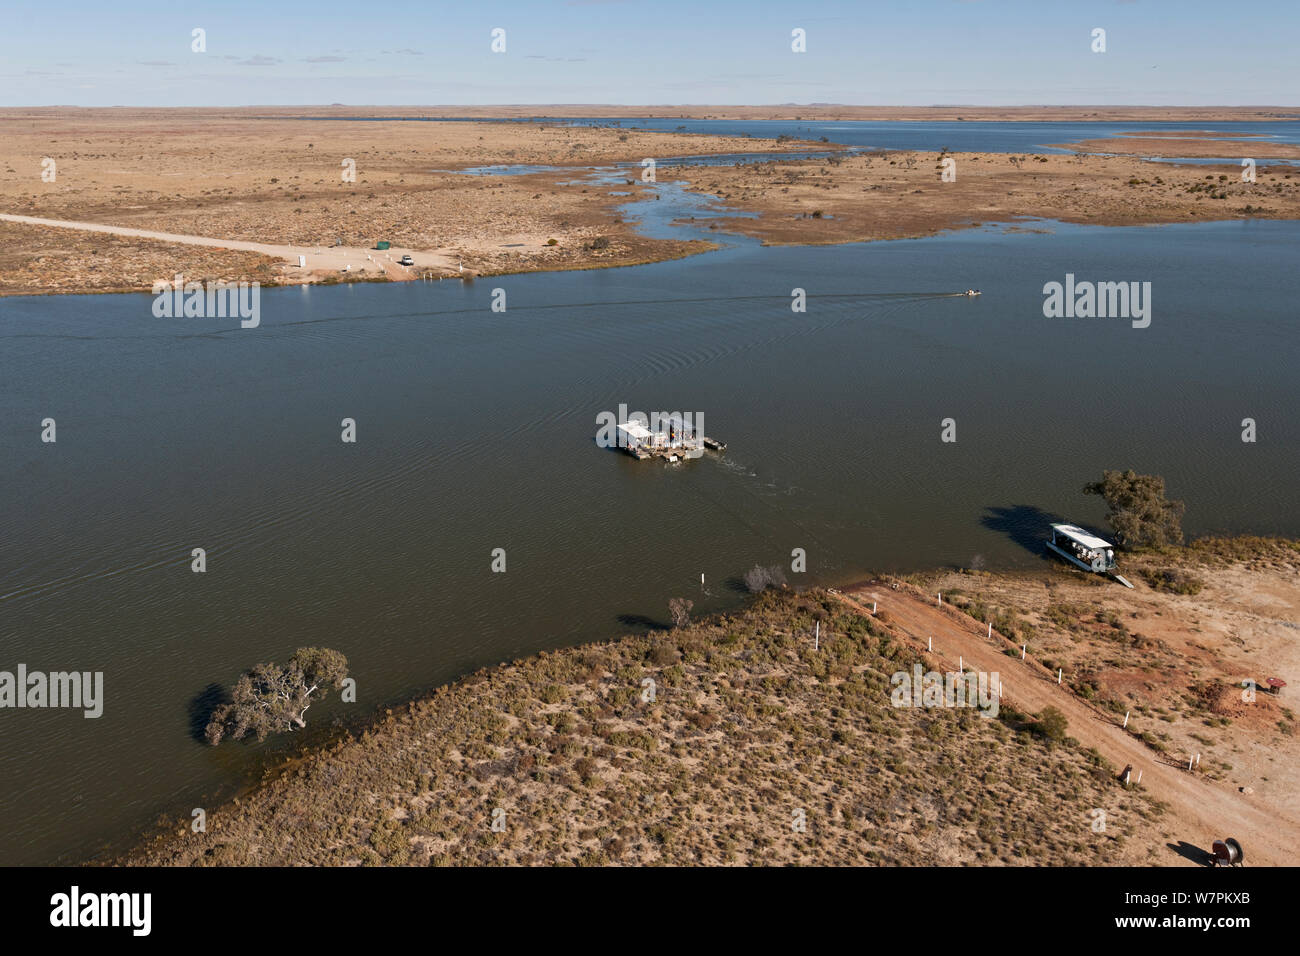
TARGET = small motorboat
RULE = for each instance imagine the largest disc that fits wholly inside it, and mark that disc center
(972, 291)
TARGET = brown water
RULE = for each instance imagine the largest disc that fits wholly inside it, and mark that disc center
(475, 431)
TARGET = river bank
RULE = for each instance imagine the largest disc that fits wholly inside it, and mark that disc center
(906, 195)
(532, 202)
(705, 744)
(242, 177)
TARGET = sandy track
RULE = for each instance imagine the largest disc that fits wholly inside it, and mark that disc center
(318, 259)
(1199, 811)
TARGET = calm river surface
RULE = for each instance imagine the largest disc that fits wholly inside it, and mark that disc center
(986, 136)
(475, 431)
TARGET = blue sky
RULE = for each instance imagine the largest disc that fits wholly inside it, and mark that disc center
(906, 52)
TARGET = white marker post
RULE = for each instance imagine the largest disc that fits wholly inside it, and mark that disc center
(1023, 648)
(1058, 675)
(1189, 764)
(817, 636)
(1126, 713)
(940, 597)
(961, 664)
(932, 644)
(990, 635)
(1127, 777)
(873, 607)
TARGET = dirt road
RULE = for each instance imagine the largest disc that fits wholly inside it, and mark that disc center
(319, 259)
(1200, 811)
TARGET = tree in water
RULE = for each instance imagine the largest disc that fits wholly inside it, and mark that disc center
(759, 578)
(680, 609)
(1140, 514)
(272, 698)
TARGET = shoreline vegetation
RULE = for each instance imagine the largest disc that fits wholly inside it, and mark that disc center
(158, 170)
(709, 742)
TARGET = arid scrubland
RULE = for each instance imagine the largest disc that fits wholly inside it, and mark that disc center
(1189, 144)
(1172, 653)
(37, 260)
(898, 195)
(243, 176)
(276, 177)
(748, 727)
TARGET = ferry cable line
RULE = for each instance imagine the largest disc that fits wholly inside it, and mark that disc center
(773, 297)
(145, 564)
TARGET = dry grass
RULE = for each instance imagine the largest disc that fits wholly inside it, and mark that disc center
(748, 726)
(247, 176)
(898, 195)
(1173, 652)
(41, 260)
(257, 175)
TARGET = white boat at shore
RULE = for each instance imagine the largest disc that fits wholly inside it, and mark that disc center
(1085, 550)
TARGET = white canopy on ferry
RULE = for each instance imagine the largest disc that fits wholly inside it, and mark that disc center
(1076, 533)
(635, 430)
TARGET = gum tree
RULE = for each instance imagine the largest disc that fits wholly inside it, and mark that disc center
(759, 578)
(680, 609)
(1140, 514)
(273, 698)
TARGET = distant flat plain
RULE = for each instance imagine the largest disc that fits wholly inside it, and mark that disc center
(264, 175)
